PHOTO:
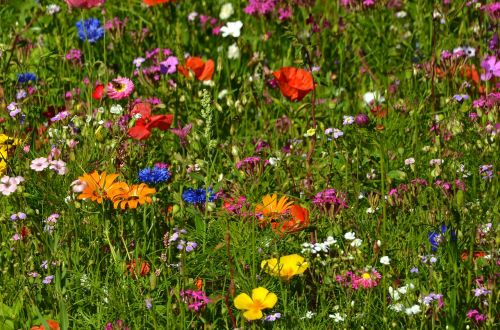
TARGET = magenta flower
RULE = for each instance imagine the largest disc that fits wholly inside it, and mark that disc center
(491, 67)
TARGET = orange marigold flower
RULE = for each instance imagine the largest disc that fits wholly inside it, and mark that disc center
(133, 196)
(201, 70)
(98, 186)
(53, 325)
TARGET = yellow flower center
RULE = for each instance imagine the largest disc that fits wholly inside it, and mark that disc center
(366, 276)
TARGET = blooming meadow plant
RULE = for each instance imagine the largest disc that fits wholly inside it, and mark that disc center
(253, 164)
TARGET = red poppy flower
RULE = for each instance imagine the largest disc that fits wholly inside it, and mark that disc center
(53, 325)
(294, 83)
(201, 70)
(146, 122)
(98, 92)
(476, 255)
(156, 2)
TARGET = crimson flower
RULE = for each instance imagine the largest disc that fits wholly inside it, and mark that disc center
(146, 122)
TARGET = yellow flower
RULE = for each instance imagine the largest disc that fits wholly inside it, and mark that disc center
(6, 144)
(261, 299)
(311, 132)
(286, 267)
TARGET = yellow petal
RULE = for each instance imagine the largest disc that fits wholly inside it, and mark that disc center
(270, 301)
(259, 293)
(243, 301)
(253, 314)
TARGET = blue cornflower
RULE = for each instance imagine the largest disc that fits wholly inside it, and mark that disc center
(197, 196)
(90, 29)
(154, 175)
(437, 238)
(26, 77)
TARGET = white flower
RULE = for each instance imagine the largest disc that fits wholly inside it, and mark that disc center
(233, 52)
(385, 260)
(337, 317)
(226, 11)
(394, 294)
(415, 309)
(232, 29)
(401, 14)
(116, 109)
(369, 97)
(309, 315)
(356, 243)
(52, 9)
(273, 161)
(409, 161)
(350, 235)
(397, 307)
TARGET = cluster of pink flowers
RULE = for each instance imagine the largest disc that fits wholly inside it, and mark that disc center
(252, 165)
(196, 300)
(474, 315)
(406, 192)
(8, 185)
(331, 200)
(449, 188)
(267, 7)
(367, 279)
(41, 163)
(159, 61)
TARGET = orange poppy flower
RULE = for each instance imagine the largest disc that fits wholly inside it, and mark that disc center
(201, 70)
(156, 2)
(133, 196)
(99, 186)
(476, 255)
(294, 83)
(296, 220)
(53, 325)
(134, 270)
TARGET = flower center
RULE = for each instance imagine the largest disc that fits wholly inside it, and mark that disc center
(366, 276)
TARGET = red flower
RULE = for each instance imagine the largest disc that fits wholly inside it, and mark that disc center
(201, 70)
(294, 83)
(156, 2)
(53, 325)
(146, 122)
(98, 92)
(297, 220)
(135, 270)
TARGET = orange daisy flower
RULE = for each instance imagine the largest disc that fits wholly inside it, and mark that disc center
(133, 196)
(99, 186)
(297, 220)
(271, 206)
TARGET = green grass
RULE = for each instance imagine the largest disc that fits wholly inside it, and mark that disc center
(360, 50)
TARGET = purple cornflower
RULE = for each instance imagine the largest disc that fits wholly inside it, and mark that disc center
(414, 270)
(481, 291)
(460, 97)
(190, 246)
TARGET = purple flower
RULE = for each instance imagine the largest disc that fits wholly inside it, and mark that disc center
(190, 246)
(148, 302)
(48, 279)
(169, 66)
(491, 67)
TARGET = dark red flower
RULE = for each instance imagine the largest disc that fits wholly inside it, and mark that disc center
(294, 83)
(146, 122)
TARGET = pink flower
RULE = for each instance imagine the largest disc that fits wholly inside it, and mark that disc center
(78, 186)
(366, 280)
(39, 164)
(84, 3)
(491, 67)
(8, 185)
(120, 88)
(59, 166)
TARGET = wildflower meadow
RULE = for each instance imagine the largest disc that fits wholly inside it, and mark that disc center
(249, 164)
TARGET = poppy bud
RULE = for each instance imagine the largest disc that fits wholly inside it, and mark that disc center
(98, 92)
